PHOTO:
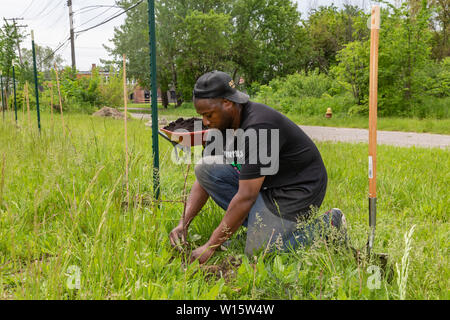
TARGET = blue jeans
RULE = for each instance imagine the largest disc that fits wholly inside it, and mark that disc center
(264, 228)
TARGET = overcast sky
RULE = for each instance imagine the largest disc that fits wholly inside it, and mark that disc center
(50, 21)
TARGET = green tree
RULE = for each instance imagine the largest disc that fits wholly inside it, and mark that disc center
(9, 37)
(440, 24)
(268, 40)
(405, 49)
(205, 47)
(330, 29)
(45, 60)
(353, 69)
(404, 54)
(131, 38)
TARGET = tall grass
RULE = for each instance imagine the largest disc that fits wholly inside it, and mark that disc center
(402, 270)
(65, 232)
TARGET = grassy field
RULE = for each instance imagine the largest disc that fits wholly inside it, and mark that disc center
(65, 232)
(439, 126)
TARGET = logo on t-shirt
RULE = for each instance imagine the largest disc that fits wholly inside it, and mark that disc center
(255, 150)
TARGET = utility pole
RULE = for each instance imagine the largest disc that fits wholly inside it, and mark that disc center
(72, 37)
(17, 38)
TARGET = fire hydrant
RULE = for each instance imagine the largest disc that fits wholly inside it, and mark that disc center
(329, 113)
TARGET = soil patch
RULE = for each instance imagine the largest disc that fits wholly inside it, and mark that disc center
(186, 124)
(109, 112)
(226, 268)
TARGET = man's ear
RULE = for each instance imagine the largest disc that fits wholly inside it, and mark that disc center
(227, 104)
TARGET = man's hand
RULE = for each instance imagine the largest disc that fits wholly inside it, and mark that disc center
(178, 235)
(203, 253)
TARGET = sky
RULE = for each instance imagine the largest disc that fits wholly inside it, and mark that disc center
(50, 21)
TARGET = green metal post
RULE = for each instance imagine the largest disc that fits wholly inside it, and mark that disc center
(3, 99)
(155, 144)
(36, 81)
(14, 85)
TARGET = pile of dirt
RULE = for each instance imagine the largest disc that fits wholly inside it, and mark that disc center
(161, 122)
(186, 124)
(226, 269)
(109, 112)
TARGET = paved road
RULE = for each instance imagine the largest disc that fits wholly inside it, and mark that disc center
(395, 138)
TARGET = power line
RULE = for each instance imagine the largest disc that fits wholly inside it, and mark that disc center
(113, 17)
(49, 23)
(51, 55)
(51, 10)
(91, 8)
(29, 6)
(103, 12)
(62, 15)
(64, 44)
(47, 4)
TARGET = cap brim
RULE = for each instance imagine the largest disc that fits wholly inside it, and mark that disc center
(238, 97)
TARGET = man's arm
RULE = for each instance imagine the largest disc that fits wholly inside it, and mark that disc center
(196, 200)
(237, 211)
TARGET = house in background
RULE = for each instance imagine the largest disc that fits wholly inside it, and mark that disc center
(85, 74)
(141, 95)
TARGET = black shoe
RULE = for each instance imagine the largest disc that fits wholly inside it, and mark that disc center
(338, 221)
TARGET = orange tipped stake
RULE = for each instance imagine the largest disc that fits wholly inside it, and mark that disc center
(373, 96)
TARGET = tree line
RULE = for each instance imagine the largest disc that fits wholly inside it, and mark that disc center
(263, 40)
(282, 57)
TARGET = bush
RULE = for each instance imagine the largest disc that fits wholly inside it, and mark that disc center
(86, 94)
(305, 94)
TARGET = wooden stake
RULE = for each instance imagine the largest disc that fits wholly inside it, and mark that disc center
(125, 96)
(51, 102)
(23, 102)
(185, 199)
(2, 182)
(373, 95)
(6, 100)
(60, 100)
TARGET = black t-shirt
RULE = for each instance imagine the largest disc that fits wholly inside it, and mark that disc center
(273, 146)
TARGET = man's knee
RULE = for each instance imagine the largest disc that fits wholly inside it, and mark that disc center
(206, 166)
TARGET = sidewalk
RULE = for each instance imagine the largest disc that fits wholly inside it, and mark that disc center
(395, 138)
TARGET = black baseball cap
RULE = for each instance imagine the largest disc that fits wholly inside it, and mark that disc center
(218, 84)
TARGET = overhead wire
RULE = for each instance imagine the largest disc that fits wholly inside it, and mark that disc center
(62, 14)
(47, 4)
(27, 8)
(92, 8)
(111, 18)
(60, 17)
(51, 55)
(51, 10)
(57, 20)
(95, 17)
(63, 44)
